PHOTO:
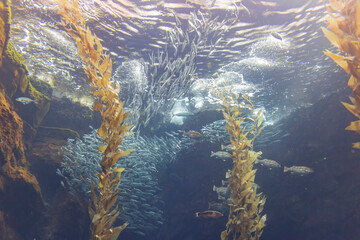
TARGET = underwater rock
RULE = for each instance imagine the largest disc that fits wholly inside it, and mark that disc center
(48, 134)
(6, 232)
(67, 218)
(15, 82)
(34, 111)
(21, 203)
(13, 72)
(20, 195)
(41, 86)
(66, 114)
(45, 149)
(5, 17)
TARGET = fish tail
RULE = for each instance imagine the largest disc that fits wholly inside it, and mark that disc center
(222, 147)
(197, 214)
(286, 169)
(212, 154)
(214, 188)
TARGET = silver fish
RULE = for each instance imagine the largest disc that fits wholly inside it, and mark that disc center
(268, 163)
(228, 148)
(221, 154)
(300, 170)
(182, 114)
(276, 35)
(24, 100)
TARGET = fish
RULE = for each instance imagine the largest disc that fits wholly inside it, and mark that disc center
(221, 154)
(276, 35)
(300, 170)
(193, 134)
(228, 148)
(182, 114)
(268, 163)
(223, 192)
(24, 100)
(209, 214)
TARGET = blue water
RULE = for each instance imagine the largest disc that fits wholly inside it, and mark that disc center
(170, 177)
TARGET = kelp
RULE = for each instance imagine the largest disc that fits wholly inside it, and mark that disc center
(98, 68)
(245, 221)
(343, 31)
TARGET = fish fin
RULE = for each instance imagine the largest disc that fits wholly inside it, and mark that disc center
(285, 169)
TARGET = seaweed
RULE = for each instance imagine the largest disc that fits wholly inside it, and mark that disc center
(245, 219)
(343, 31)
(98, 68)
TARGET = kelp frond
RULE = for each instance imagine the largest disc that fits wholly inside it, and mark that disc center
(98, 68)
(343, 31)
(245, 221)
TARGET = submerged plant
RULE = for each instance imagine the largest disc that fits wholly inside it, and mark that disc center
(343, 31)
(245, 221)
(98, 68)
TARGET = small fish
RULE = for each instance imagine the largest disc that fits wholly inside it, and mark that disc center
(221, 154)
(193, 134)
(182, 114)
(223, 192)
(268, 163)
(228, 148)
(276, 35)
(209, 214)
(24, 100)
(301, 170)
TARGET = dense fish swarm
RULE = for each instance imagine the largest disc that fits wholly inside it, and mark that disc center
(139, 190)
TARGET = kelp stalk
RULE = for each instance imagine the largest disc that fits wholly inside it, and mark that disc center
(245, 221)
(343, 31)
(98, 68)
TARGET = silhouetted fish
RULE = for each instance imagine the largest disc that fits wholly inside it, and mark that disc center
(276, 35)
(209, 214)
